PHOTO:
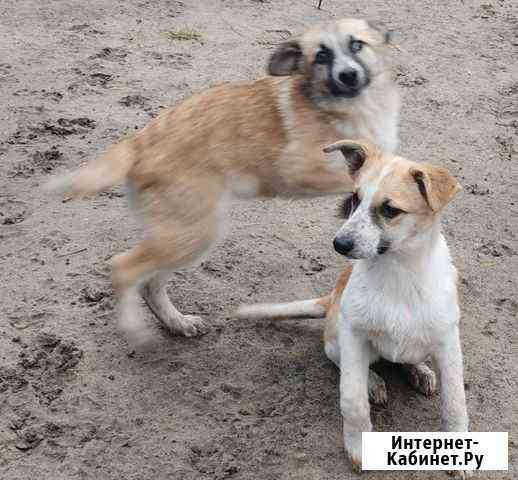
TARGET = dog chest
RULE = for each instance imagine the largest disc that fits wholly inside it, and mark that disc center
(399, 349)
(373, 117)
(379, 127)
(402, 321)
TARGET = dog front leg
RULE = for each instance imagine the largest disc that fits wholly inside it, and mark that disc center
(453, 397)
(354, 400)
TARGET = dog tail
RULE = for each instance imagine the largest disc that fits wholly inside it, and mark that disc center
(108, 170)
(314, 308)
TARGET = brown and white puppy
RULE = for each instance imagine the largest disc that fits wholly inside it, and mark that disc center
(398, 299)
(259, 138)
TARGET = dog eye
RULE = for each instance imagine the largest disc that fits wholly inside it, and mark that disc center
(390, 212)
(349, 205)
(324, 56)
(355, 46)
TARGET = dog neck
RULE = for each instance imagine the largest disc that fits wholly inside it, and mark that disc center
(374, 114)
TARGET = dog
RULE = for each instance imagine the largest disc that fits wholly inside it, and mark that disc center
(397, 300)
(259, 138)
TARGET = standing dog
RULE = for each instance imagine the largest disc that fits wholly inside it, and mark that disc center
(398, 300)
(260, 138)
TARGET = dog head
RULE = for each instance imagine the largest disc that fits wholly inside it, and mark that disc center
(338, 59)
(395, 202)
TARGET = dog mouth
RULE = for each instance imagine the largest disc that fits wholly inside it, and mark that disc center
(383, 247)
(358, 256)
(338, 89)
(354, 254)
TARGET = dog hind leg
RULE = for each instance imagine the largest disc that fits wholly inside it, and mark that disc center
(128, 270)
(181, 218)
(421, 377)
(144, 266)
(154, 293)
(377, 389)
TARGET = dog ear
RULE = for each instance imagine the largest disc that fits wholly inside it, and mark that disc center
(285, 60)
(436, 185)
(387, 35)
(355, 153)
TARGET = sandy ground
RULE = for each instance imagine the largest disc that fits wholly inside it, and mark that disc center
(248, 400)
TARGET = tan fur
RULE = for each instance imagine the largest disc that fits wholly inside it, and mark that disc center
(390, 304)
(104, 172)
(260, 138)
(400, 186)
(439, 186)
(333, 309)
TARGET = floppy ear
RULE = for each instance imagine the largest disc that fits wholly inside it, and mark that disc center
(387, 35)
(285, 60)
(436, 185)
(355, 153)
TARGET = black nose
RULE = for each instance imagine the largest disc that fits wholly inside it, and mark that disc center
(343, 245)
(349, 77)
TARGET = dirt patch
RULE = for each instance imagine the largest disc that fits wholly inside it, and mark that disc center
(134, 100)
(38, 162)
(62, 127)
(249, 400)
(107, 53)
(41, 366)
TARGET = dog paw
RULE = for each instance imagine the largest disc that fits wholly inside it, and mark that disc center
(192, 326)
(353, 449)
(463, 474)
(356, 464)
(138, 335)
(142, 340)
(422, 378)
(377, 389)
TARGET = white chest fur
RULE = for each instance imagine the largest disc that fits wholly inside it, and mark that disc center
(375, 118)
(404, 309)
(373, 115)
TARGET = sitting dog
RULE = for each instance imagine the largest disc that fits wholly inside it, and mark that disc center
(398, 299)
(259, 138)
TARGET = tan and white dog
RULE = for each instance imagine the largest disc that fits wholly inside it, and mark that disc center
(259, 138)
(398, 299)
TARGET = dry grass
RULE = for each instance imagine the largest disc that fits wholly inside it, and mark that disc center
(184, 35)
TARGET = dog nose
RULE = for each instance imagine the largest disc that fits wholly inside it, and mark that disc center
(349, 77)
(343, 245)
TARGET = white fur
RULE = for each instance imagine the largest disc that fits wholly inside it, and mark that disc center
(376, 113)
(401, 306)
(378, 120)
(244, 186)
(360, 226)
(376, 108)
(302, 309)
